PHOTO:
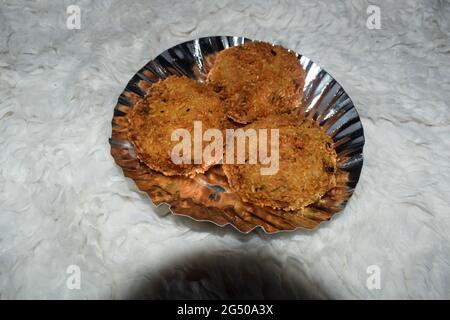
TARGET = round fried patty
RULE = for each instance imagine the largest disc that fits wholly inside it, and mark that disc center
(173, 103)
(307, 166)
(257, 79)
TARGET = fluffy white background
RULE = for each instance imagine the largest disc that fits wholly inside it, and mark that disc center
(63, 201)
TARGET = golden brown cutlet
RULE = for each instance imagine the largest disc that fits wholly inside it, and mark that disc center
(256, 80)
(307, 166)
(173, 103)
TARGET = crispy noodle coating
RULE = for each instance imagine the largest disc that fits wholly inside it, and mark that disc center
(307, 167)
(173, 103)
(256, 80)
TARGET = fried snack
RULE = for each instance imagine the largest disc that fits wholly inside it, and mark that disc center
(257, 79)
(307, 166)
(173, 103)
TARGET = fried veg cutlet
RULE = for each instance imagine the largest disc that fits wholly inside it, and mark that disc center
(173, 103)
(307, 166)
(257, 79)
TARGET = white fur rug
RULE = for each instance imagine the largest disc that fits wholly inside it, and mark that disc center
(64, 202)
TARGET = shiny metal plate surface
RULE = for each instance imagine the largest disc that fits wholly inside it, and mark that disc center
(207, 197)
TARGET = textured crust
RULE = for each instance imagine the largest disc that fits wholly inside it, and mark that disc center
(173, 103)
(256, 80)
(307, 167)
